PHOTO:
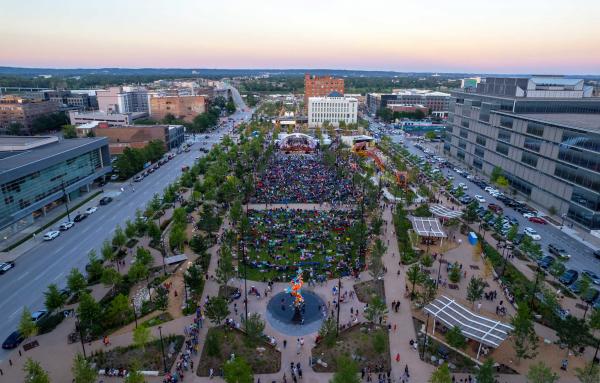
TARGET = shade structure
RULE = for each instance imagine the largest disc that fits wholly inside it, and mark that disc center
(427, 227)
(443, 212)
(486, 331)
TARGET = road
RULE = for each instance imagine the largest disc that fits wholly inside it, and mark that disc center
(50, 262)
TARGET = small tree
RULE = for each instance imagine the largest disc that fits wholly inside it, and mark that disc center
(377, 308)
(130, 229)
(144, 256)
(154, 232)
(119, 238)
(161, 300)
(237, 371)
(216, 310)
(525, 340)
(427, 261)
(328, 331)
(486, 372)
(254, 328)
(34, 373)
(138, 271)
(110, 277)
(225, 268)
(141, 337)
(27, 327)
(89, 312)
(119, 310)
(134, 376)
(455, 338)
(414, 276)
(454, 274)
(441, 375)
(573, 333)
(194, 279)
(475, 290)
(347, 371)
(83, 371)
(76, 282)
(590, 373)
(54, 300)
(540, 373)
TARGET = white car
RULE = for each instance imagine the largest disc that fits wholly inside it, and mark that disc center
(470, 177)
(529, 215)
(66, 225)
(479, 198)
(49, 236)
(37, 315)
(463, 186)
(91, 210)
(532, 234)
(489, 189)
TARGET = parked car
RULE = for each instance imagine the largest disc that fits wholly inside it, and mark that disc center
(91, 210)
(5, 266)
(79, 217)
(537, 220)
(546, 261)
(66, 225)
(13, 340)
(518, 239)
(532, 233)
(463, 186)
(105, 200)
(36, 316)
(568, 277)
(114, 177)
(558, 251)
(138, 178)
(597, 253)
(529, 214)
(495, 208)
(594, 277)
(590, 296)
(49, 236)
(479, 198)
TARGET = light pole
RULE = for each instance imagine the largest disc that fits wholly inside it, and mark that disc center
(134, 313)
(78, 324)
(437, 281)
(62, 184)
(337, 329)
(162, 348)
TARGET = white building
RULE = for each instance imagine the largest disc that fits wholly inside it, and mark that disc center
(126, 99)
(334, 108)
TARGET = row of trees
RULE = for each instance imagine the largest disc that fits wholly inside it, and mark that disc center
(388, 115)
(132, 160)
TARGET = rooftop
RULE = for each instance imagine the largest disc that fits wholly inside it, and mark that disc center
(20, 143)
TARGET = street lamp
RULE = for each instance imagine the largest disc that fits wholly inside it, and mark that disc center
(162, 348)
(62, 184)
(437, 281)
(78, 325)
(134, 313)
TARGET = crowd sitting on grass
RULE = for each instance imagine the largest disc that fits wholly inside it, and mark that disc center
(317, 241)
(302, 179)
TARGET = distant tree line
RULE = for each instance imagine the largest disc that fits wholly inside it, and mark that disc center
(132, 160)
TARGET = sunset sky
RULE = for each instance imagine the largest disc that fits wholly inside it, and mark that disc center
(507, 36)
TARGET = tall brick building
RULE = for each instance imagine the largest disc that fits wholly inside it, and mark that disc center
(15, 109)
(182, 107)
(315, 86)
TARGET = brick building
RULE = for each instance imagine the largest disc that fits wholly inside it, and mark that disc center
(182, 107)
(138, 136)
(14, 109)
(315, 86)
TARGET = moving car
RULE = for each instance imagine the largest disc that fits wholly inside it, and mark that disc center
(79, 217)
(91, 210)
(532, 233)
(594, 277)
(568, 277)
(105, 200)
(537, 220)
(558, 251)
(479, 198)
(13, 340)
(5, 266)
(49, 236)
(66, 225)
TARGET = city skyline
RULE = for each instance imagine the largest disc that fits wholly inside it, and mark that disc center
(548, 37)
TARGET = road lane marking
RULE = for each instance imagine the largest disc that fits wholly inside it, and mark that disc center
(15, 313)
(57, 277)
(23, 275)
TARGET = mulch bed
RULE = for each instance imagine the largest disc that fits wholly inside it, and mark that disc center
(365, 291)
(453, 286)
(356, 342)
(233, 342)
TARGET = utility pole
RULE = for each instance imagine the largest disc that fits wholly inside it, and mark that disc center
(62, 184)
(162, 349)
(81, 337)
(337, 330)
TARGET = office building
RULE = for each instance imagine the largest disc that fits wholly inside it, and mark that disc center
(65, 99)
(112, 119)
(37, 174)
(19, 110)
(118, 99)
(182, 107)
(138, 136)
(436, 102)
(543, 132)
(315, 86)
(333, 108)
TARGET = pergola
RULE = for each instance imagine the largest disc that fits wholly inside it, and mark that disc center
(428, 227)
(443, 212)
(486, 331)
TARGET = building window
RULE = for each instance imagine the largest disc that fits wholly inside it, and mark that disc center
(462, 144)
(480, 140)
(479, 152)
(535, 129)
(519, 184)
(580, 157)
(446, 147)
(586, 140)
(532, 144)
(465, 123)
(460, 154)
(529, 159)
(464, 133)
(506, 122)
(502, 148)
(503, 135)
(477, 163)
(577, 176)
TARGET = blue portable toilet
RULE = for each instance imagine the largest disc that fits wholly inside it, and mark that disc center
(472, 238)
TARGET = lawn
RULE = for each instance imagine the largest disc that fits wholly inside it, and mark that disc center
(366, 343)
(281, 240)
(264, 358)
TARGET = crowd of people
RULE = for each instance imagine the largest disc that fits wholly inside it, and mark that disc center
(281, 240)
(302, 179)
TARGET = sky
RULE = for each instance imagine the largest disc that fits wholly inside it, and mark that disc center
(478, 36)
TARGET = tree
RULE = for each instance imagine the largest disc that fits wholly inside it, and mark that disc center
(119, 310)
(15, 129)
(34, 373)
(512, 232)
(455, 338)
(83, 371)
(53, 298)
(428, 292)
(347, 371)
(154, 232)
(27, 327)
(573, 333)
(328, 331)
(496, 172)
(475, 290)
(524, 339)
(254, 328)
(119, 238)
(209, 221)
(441, 375)
(237, 371)
(194, 279)
(454, 274)
(414, 276)
(377, 308)
(486, 372)
(502, 182)
(144, 256)
(76, 281)
(216, 310)
(471, 211)
(89, 312)
(141, 337)
(130, 229)
(138, 271)
(177, 237)
(540, 373)
(69, 131)
(225, 268)
(110, 277)
(557, 268)
(235, 212)
(161, 300)
(590, 373)
(134, 376)
(108, 255)
(94, 267)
